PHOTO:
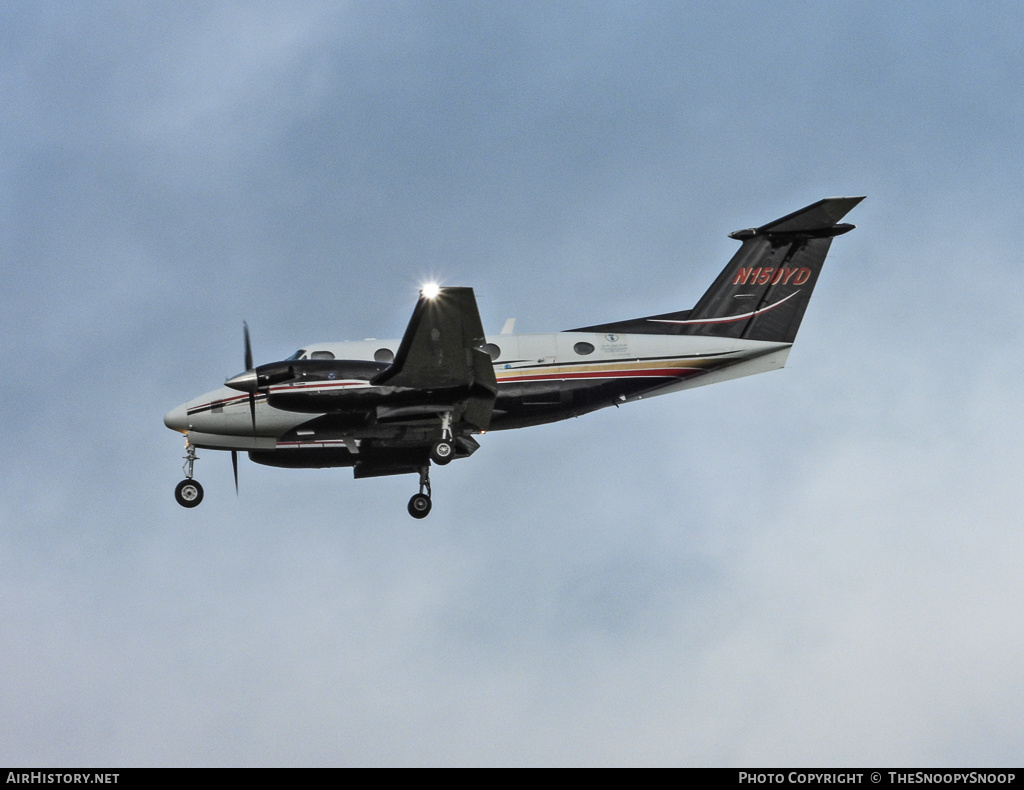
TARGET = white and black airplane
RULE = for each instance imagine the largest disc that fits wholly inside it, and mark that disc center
(394, 407)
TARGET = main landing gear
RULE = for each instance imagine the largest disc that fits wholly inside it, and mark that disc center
(441, 453)
(419, 505)
(444, 450)
(188, 492)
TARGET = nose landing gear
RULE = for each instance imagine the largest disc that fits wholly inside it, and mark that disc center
(188, 492)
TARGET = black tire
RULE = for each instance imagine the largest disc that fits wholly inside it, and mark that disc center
(419, 506)
(188, 493)
(442, 452)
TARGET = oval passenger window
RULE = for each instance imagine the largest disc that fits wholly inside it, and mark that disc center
(583, 348)
(384, 355)
(492, 350)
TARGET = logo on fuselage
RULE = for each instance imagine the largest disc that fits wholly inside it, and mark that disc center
(769, 275)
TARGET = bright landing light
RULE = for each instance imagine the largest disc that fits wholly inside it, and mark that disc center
(430, 290)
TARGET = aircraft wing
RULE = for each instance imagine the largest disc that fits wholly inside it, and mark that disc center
(441, 352)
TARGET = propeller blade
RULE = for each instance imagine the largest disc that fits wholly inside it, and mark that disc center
(252, 392)
(248, 347)
(234, 468)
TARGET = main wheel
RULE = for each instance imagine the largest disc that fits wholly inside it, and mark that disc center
(188, 493)
(419, 506)
(442, 452)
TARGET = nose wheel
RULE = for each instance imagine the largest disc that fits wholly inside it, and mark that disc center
(419, 505)
(188, 493)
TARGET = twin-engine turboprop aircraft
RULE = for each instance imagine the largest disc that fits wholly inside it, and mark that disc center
(395, 407)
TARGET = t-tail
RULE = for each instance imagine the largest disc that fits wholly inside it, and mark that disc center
(763, 292)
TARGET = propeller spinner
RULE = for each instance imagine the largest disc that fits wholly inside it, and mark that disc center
(253, 379)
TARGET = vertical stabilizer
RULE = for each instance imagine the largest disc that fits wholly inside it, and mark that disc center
(764, 290)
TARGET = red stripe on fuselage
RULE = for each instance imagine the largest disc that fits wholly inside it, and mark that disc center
(646, 373)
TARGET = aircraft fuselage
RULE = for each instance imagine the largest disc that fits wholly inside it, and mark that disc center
(541, 378)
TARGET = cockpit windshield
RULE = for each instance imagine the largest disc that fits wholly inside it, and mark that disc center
(297, 355)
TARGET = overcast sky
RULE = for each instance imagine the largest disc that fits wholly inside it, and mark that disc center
(819, 566)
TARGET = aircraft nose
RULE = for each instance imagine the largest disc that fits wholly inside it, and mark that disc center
(177, 419)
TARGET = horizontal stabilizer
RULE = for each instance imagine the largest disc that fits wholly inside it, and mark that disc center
(817, 219)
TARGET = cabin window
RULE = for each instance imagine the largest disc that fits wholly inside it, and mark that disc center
(583, 348)
(492, 350)
(384, 355)
(321, 355)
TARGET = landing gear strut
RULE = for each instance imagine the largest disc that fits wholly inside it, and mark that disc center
(188, 492)
(419, 505)
(444, 450)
